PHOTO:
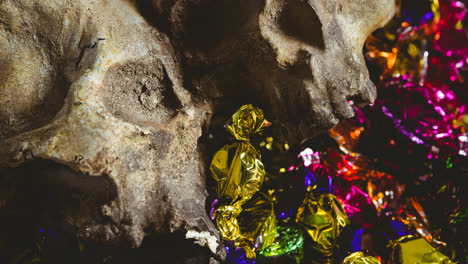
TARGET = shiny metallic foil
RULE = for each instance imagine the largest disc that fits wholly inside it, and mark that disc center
(408, 250)
(324, 218)
(359, 258)
(239, 172)
(289, 240)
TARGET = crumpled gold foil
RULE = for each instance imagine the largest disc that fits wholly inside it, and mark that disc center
(324, 218)
(239, 172)
(247, 121)
(237, 167)
(408, 250)
(359, 258)
(258, 222)
(252, 227)
(226, 222)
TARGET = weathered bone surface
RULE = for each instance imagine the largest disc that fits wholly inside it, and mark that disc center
(123, 92)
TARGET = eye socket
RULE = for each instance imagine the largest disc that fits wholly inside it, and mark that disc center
(32, 91)
(140, 92)
(33, 83)
(300, 21)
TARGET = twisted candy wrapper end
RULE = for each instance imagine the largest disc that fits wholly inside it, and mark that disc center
(359, 258)
(324, 218)
(407, 250)
(226, 222)
(247, 121)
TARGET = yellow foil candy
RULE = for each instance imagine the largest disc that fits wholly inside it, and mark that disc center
(247, 121)
(359, 258)
(324, 218)
(407, 250)
(258, 223)
(226, 222)
(239, 172)
(237, 167)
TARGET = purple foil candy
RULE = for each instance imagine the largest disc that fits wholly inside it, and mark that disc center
(424, 114)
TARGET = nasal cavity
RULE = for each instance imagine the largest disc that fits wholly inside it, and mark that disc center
(300, 21)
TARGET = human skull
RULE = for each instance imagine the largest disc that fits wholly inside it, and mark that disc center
(107, 100)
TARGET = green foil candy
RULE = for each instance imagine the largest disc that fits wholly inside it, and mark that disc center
(289, 240)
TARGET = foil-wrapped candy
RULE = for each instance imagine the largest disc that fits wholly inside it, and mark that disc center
(257, 224)
(239, 172)
(411, 250)
(360, 258)
(226, 222)
(324, 218)
(254, 229)
(289, 240)
(237, 167)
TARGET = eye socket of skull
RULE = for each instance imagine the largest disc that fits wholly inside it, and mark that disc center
(299, 20)
(32, 85)
(146, 89)
(42, 52)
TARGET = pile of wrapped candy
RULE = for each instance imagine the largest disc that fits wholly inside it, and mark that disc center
(386, 186)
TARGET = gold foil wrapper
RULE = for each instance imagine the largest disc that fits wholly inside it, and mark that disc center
(258, 222)
(360, 258)
(237, 167)
(226, 222)
(252, 227)
(239, 172)
(247, 121)
(408, 250)
(324, 218)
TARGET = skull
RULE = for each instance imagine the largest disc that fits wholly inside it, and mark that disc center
(106, 103)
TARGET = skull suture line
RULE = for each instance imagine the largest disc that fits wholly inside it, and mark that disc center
(122, 91)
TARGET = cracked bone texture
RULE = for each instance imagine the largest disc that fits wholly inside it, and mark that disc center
(110, 101)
